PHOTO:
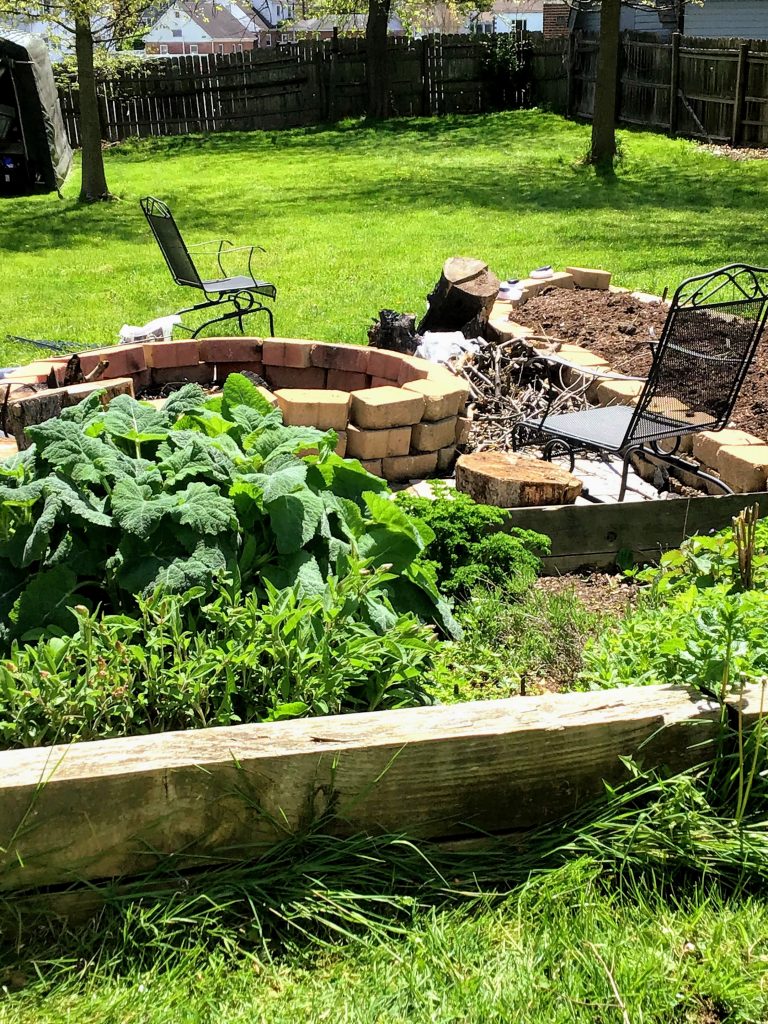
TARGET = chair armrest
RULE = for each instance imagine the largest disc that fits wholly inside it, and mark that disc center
(210, 241)
(226, 247)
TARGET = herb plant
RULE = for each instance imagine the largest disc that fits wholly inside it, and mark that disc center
(113, 502)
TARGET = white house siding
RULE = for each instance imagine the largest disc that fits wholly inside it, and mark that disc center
(745, 19)
(533, 22)
(632, 20)
(176, 21)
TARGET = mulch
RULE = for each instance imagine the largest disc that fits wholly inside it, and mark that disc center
(609, 594)
(619, 328)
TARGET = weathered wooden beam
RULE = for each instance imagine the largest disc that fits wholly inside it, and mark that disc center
(592, 535)
(119, 807)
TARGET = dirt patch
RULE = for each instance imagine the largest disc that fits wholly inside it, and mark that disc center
(620, 329)
(736, 152)
(601, 592)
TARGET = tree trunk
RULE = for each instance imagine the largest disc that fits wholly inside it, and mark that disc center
(377, 69)
(94, 183)
(467, 289)
(606, 87)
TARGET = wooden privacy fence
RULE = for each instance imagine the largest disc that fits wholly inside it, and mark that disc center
(711, 89)
(296, 84)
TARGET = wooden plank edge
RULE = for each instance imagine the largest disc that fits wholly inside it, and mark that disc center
(119, 807)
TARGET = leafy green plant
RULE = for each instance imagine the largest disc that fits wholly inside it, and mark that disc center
(113, 502)
(180, 665)
(464, 552)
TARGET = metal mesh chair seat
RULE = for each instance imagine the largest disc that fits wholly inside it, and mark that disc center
(236, 293)
(713, 327)
(238, 284)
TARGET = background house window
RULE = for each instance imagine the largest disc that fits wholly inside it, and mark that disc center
(267, 39)
(193, 48)
(176, 33)
(221, 47)
(163, 48)
(239, 47)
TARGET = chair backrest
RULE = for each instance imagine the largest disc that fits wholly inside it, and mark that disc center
(172, 246)
(708, 342)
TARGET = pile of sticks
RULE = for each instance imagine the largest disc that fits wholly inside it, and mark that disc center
(511, 381)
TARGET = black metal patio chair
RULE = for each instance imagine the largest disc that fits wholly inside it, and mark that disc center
(242, 293)
(709, 339)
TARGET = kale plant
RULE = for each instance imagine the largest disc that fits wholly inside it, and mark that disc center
(109, 503)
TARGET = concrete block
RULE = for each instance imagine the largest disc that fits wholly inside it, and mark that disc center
(707, 444)
(123, 360)
(230, 350)
(618, 392)
(441, 399)
(352, 358)
(647, 298)
(407, 467)
(382, 363)
(383, 382)
(271, 398)
(429, 437)
(294, 377)
(171, 353)
(344, 380)
(560, 279)
(377, 444)
(8, 447)
(463, 427)
(196, 373)
(413, 368)
(37, 372)
(381, 408)
(307, 407)
(445, 458)
(289, 352)
(582, 357)
(373, 466)
(744, 467)
(223, 370)
(586, 278)
(531, 287)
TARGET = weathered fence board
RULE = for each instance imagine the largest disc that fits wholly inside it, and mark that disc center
(120, 807)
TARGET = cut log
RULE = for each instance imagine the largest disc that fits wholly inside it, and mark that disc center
(467, 289)
(514, 481)
(394, 331)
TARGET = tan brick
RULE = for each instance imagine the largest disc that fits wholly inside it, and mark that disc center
(377, 444)
(8, 447)
(413, 368)
(586, 278)
(582, 357)
(352, 358)
(380, 408)
(406, 467)
(196, 373)
(272, 399)
(382, 363)
(293, 352)
(373, 466)
(463, 427)
(441, 398)
(38, 371)
(707, 444)
(75, 393)
(230, 350)
(171, 353)
(618, 392)
(560, 279)
(307, 407)
(342, 380)
(445, 458)
(530, 287)
(614, 289)
(744, 467)
(123, 360)
(294, 377)
(428, 437)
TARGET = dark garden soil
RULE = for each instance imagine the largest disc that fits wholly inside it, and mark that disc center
(619, 328)
(603, 592)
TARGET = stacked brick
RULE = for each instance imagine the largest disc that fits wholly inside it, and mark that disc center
(399, 415)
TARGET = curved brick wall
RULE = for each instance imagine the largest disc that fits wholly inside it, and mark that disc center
(401, 416)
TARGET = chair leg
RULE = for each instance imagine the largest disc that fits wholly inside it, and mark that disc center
(625, 473)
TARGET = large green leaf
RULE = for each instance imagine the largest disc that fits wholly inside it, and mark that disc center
(300, 568)
(238, 390)
(46, 601)
(393, 537)
(64, 446)
(201, 507)
(190, 398)
(130, 421)
(294, 519)
(137, 509)
(346, 478)
(195, 456)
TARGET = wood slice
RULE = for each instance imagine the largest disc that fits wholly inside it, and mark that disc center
(466, 289)
(514, 481)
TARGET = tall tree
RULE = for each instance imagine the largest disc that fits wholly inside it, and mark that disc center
(83, 24)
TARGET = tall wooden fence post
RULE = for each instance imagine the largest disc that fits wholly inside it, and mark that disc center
(573, 41)
(742, 69)
(674, 84)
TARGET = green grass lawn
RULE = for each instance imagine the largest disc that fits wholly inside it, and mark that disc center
(357, 218)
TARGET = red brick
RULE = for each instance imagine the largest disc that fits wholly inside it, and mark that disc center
(171, 353)
(37, 372)
(196, 373)
(352, 358)
(123, 360)
(383, 382)
(294, 377)
(384, 364)
(230, 350)
(341, 380)
(289, 352)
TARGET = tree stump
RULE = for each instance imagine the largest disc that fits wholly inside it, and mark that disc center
(466, 289)
(514, 481)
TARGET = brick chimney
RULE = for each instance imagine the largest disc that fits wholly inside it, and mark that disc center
(555, 19)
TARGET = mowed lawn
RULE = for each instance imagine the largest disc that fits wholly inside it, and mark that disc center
(357, 218)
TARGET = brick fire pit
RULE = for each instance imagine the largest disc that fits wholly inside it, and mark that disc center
(401, 416)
